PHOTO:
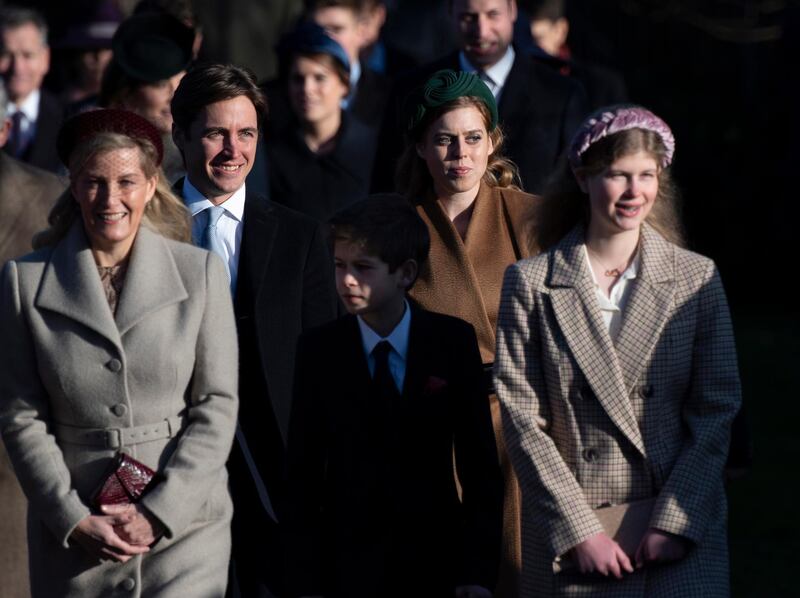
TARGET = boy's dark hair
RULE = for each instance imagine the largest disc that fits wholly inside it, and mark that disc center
(385, 225)
(206, 84)
(357, 6)
(551, 10)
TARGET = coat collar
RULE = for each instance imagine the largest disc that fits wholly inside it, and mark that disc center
(612, 371)
(71, 285)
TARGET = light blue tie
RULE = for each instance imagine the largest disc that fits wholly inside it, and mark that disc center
(212, 239)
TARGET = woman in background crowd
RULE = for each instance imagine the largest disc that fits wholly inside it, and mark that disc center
(320, 158)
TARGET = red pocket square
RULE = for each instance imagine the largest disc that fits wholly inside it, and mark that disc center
(434, 384)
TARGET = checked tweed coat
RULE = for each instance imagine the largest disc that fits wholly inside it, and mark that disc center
(588, 421)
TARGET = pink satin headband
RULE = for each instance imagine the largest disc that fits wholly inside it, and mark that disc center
(608, 121)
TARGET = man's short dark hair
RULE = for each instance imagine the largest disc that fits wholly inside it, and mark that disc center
(12, 17)
(206, 84)
(385, 225)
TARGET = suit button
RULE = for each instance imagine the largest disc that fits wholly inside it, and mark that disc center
(590, 455)
(114, 365)
(646, 391)
(128, 584)
(119, 409)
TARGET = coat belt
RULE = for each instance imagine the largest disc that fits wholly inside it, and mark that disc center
(117, 437)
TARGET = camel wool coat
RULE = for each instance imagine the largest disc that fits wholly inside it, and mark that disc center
(589, 421)
(71, 374)
(463, 278)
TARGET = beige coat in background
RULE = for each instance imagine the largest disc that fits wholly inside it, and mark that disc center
(170, 351)
(26, 195)
(589, 422)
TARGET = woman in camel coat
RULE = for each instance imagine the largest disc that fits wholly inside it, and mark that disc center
(137, 357)
(466, 192)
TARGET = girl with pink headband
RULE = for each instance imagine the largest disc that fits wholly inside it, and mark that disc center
(617, 376)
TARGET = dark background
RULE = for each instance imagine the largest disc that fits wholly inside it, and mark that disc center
(724, 74)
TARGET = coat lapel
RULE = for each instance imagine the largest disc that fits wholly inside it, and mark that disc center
(152, 281)
(71, 286)
(649, 306)
(257, 240)
(579, 318)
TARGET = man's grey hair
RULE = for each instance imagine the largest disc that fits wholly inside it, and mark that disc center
(12, 17)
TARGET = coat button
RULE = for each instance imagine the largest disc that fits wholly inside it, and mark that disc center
(119, 409)
(591, 455)
(128, 583)
(114, 365)
(646, 391)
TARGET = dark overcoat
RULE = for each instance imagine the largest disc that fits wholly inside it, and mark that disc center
(375, 506)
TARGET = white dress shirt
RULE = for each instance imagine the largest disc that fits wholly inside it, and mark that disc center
(30, 114)
(229, 226)
(612, 306)
(495, 76)
(398, 339)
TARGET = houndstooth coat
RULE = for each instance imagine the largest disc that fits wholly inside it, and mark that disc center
(589, 422)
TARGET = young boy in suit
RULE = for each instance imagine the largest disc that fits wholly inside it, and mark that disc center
(385, 399)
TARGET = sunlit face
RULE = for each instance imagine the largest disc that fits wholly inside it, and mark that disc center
(152, 101)
(315, 90)
(622, 195)
(24, 61)
(344, 26)
(220, 146)
(364, 282)
(485, 28)
(456, 149)
(112, 191)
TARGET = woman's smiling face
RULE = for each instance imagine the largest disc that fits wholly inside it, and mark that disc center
(112, 191)
(622, 194)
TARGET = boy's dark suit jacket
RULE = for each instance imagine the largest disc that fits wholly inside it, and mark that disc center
(539, 111)
(284, 286)
(374, 503)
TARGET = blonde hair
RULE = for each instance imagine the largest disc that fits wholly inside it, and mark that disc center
(164, 213)
(413, 179)
(564, 204)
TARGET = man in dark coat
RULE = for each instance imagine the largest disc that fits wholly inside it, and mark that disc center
(539, 109)
(280, 274)
(26, 196)
(35, 113)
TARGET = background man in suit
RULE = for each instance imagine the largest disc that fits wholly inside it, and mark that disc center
(539, 109)
(281, 281)
(35, 113)
(26, 196)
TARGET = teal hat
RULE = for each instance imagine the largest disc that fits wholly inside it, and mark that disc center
(445, 86)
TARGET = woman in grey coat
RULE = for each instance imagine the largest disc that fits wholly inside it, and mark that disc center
(118, 338)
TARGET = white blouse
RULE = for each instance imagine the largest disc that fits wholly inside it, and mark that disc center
(611, 307)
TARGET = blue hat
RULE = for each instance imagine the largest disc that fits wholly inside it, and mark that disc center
(310, 38)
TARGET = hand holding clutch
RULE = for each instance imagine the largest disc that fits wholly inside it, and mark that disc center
(138, 526)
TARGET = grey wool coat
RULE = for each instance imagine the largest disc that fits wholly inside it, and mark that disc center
(589, 421)
(67, 365)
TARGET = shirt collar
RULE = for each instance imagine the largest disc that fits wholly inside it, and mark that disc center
(30, 107)
(196, 202)
(498, 72)
(398, 338)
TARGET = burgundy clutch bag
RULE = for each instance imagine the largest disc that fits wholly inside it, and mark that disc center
(127, 480)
